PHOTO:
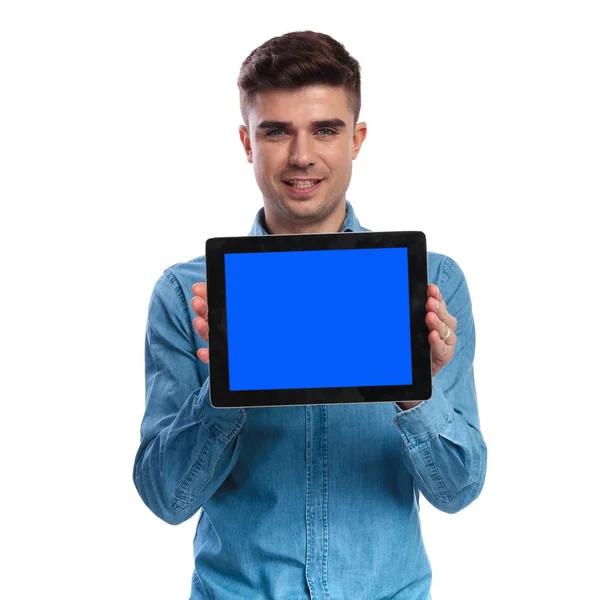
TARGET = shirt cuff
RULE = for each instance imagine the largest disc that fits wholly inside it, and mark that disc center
(225, 423)
(426, 420)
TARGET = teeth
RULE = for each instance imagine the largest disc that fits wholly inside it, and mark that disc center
(303, 184)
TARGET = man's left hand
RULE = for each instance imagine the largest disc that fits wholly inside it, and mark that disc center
(442, 338)
(442, 326)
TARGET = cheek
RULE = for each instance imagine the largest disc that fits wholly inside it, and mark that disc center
(260, 165)
(343, 167)
(339, 160)
(267, 165)
(265, 173)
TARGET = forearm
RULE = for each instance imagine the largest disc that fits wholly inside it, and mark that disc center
(180, 466)
(446, 455)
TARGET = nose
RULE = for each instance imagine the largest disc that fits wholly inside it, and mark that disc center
(302, 153)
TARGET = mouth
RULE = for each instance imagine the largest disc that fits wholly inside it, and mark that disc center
(302, 186)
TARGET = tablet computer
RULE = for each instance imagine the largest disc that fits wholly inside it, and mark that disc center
(317, 319)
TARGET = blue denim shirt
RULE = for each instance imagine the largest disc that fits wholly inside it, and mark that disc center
(307, 502)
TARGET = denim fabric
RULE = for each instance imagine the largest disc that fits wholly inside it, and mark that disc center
(310, 502)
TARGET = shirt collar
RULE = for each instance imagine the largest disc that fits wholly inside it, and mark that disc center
(350, 223)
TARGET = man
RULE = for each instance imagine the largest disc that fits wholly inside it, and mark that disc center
(317, 502)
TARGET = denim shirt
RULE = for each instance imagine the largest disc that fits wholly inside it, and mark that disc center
(304, 502)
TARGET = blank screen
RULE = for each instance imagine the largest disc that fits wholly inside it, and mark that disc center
(318, 319)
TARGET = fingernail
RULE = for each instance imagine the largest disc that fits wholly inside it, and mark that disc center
(437, 304)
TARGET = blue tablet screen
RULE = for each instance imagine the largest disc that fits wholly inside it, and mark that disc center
(318, 319)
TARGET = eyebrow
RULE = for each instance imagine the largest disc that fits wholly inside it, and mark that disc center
(288, 124)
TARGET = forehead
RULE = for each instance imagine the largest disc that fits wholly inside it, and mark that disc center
(300, 105)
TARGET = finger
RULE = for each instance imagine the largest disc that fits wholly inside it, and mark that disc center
(200, 306)
(199, 289)
(201, 326)
(437, 305)
(440, 328)
(444, 316)
(202, 354)
(441, 352)
(434, 300)
(433, 291)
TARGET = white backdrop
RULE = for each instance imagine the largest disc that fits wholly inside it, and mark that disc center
(120, 157)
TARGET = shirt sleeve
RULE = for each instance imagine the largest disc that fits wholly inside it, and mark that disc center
(187, 446)
(443, 445)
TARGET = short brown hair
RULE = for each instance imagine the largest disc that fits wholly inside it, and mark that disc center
(296, 60)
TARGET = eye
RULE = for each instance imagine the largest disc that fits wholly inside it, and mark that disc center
(327, 129)
(270, 133)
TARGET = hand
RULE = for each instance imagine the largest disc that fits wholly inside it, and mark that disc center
(442, 325)
(442, 338)
(200, 305)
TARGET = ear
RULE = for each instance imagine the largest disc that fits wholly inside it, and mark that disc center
(245, 139)
(360, 133)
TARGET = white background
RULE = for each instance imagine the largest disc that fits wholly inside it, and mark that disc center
(120, 156)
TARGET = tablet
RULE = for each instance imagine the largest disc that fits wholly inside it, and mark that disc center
(319, 318)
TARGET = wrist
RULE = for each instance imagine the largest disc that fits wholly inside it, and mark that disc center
(408, 404)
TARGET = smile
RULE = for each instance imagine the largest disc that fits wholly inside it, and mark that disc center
(303, 186)
(302, 183)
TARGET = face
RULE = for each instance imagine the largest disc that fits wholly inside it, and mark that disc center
(302, 143)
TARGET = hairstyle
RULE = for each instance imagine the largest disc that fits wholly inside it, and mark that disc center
(296, 60)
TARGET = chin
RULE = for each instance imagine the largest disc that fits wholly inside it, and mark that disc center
(307, 207)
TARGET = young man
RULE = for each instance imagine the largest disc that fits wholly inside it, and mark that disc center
(315, 502)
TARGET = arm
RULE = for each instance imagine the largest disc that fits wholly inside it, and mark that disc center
(187, 446)
(443, 446)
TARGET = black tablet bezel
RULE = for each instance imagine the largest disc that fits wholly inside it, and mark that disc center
(222, 397)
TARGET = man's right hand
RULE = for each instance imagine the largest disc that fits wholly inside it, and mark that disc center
(200, 306)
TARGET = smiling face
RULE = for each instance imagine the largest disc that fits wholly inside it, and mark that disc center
(302, 143)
